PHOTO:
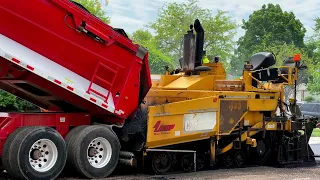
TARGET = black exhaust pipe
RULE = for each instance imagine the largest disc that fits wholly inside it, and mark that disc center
(187, 62)
(199, 42)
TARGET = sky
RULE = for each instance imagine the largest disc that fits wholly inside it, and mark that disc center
(131, 15)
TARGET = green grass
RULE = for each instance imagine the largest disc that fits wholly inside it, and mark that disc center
(316, 132)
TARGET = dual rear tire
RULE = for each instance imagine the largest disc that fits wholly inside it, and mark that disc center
(34, 153)
(41, 152)
(93, 151)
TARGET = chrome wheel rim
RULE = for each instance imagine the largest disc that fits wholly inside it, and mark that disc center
(99, 152)
(43, 155)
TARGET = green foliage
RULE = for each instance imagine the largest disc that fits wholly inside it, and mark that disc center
(281, 51)
(157, 59)
(313, 43)
(269, 29)
(95, 8)
(309, 99)
(317, 28)
(174, 21)
(9, 102)
(237, 62)
(314, 79)
(313, 47)
(143, 37)
(315, 132)
(270, 25)
(288, 50)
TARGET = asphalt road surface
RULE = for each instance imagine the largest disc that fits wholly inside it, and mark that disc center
(260, 173)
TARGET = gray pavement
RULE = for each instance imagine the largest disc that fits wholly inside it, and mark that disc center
(259, 173)
(250, 173)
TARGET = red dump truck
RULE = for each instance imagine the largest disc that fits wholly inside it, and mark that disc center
(87, 74)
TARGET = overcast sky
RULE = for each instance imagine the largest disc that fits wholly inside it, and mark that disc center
(134, 14)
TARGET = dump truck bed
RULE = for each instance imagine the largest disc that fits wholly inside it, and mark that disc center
(71, 57)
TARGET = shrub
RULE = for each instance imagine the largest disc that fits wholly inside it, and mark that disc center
(309, 99)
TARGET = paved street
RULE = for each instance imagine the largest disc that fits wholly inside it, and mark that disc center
(261, 173)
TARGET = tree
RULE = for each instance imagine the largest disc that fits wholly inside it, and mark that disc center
(143, 37)
(270, 25)
(288, 50)
(313, 43)
(157, 59)
(265, 29)
(314, 51)
(236, 65)
(9, 102)
(317, 28)
(95, 8)
(174, 21)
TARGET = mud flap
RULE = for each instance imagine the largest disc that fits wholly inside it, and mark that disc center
(134, 132)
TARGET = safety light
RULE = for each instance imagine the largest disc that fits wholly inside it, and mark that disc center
(215, 99)
(296, 58)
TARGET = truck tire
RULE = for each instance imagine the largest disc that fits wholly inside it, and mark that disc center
(68, 170)
(71, 136)
(94, 152)
(38, 153)
(6, 151)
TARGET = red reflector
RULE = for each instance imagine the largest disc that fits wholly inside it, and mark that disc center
(29, 67)
(92, 99)
(215, 99)
(70, 88)
(57, 81)
(15, 60)
(104, 105)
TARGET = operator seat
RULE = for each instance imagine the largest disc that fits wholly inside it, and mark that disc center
(261, 62)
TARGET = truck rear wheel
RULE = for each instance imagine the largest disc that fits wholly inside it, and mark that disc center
(94, 151)
(37, 153)
(70, 138)
(6, 151)
(68, 170)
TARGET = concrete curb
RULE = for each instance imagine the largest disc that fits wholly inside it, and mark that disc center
(314, 140)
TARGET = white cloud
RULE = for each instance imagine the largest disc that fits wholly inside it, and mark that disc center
(134, 14)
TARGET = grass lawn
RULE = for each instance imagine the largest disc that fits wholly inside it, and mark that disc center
(316, 132)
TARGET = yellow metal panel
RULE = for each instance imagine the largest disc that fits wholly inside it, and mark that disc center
(192, 83)
(252, 117)
(183, 82)
(176, 123)
(163, 80)
(262, 104)
(217, 70)
(161, 96)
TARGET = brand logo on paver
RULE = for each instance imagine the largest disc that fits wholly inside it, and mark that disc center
(163, 128)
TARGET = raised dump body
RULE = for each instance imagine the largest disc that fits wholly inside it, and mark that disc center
(62, 58)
